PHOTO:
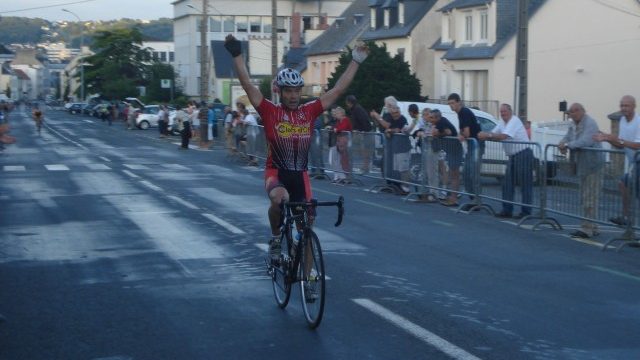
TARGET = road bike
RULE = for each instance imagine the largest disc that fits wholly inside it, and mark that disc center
(301, 259)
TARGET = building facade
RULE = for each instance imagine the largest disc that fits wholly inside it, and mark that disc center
(298, 22)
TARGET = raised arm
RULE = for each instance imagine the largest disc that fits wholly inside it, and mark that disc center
(359, 54)
(234, 47)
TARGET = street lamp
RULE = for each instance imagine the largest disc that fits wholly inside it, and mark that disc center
(81, 56)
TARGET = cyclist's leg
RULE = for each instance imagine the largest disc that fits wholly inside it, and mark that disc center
(277, 194)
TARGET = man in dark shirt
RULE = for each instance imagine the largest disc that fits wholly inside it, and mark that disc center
(453, 150)
(362, 140)
(469, 129)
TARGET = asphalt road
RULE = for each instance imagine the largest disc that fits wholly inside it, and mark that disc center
(116, 245)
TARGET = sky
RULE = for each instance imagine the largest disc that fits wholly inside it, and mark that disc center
(88, 9)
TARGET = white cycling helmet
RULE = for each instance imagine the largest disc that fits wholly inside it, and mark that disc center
(290, 78)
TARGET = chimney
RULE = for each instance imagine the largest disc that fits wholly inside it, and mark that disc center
(296, 30)
(324, 24)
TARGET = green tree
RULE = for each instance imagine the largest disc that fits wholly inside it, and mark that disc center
(155, 73)
(118, 65)
(265, 87)
(378, 77)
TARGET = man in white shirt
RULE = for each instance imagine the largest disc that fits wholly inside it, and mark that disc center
(628, 140)
(520, 164)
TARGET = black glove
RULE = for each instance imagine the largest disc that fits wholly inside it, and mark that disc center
(233, 46)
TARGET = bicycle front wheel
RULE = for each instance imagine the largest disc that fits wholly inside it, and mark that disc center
(280, 276)
(312, 280)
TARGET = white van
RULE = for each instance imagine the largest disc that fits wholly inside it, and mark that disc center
(494, 158)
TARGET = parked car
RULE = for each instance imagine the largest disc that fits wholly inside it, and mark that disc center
(76, 108)
(87, 108)
(97, 110)
(148, 116)
(494, 160)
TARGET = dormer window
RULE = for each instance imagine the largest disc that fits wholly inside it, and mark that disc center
(468, 27)
(484, 26)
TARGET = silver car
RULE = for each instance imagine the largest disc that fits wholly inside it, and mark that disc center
(148, 116)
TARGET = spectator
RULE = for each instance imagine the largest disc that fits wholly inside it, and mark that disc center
(315, 149)
(362, 141)
(250, 124)
(395, 125)
(423, 132)
(452, 151)
(228, 128)
(342, 128)
(199, 119)
(469, 128)
(628, 140)
(588, 165)
(131, 117)
(520, 163)
(162, 124)
(184, 127)
(212, 126)
(238, 130)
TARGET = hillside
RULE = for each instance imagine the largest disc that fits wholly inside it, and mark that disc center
(31, 31)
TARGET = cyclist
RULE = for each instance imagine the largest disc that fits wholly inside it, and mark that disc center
(36, 113)
(288, 127)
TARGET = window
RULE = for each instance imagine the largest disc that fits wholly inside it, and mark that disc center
(241, 24)
(172, 56)
(215, 24)
(228, 24)
(255, 24)
(198, 23)
(484, 26)
(266, 24)
(468, 28)
(163, 56)
(155, 56)
(198, 51)
(306, 23)
(282, 24)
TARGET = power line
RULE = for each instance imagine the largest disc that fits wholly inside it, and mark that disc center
(617, 8)
(46, 7)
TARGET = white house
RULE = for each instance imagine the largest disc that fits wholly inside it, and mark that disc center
(162, 51)
(588, 56)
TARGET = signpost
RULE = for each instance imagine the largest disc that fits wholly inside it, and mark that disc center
(167, 84)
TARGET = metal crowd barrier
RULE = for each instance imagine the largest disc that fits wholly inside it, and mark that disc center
(512, 173)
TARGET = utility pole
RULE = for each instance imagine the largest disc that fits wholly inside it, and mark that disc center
(522, 59)
(204, 67)
(274, 44)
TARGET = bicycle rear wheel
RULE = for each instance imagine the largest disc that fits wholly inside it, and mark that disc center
(312, 285)
(280, 276)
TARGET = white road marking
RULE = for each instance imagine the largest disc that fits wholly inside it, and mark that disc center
(183, 202)
(383, 207)
(614, 272)
(175, 166)
(13, 168)
(223, 223)
(98, 167)
(89, 121)
(438, 222)
(151, 186)
(104, 158)
(131, 174)
(57, 167)
(136, 166)
(419, 332)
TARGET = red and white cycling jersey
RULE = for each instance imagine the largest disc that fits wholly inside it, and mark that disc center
(288, 133)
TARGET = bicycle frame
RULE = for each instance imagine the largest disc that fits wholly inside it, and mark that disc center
(297, 265)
